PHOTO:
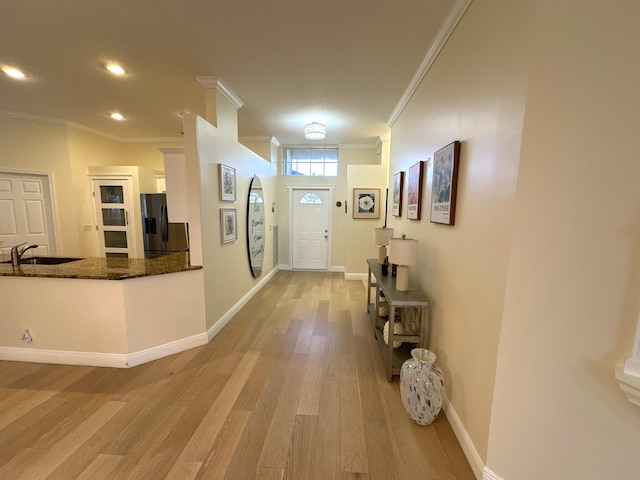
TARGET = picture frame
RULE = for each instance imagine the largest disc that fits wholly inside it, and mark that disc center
(227, 181)
(444, 184)
(414, 188)
(398, 187)
(366, 203)
(228, 225)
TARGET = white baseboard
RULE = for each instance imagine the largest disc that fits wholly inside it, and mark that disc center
(94, 359)
(333, 268)
(356, 276)
(63, 357)
(464, 439)
(489, 475)
(164, 350)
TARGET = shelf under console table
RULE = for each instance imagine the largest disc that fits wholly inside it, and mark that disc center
(413, 298)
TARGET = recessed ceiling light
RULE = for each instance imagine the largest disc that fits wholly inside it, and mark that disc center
(13, 72)
(116, 116)
(115, 69)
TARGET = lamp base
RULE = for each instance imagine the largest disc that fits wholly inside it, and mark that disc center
(402, 278)
(382, 254)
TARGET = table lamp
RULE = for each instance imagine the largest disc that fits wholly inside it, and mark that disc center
(403, 252)
(382, 237)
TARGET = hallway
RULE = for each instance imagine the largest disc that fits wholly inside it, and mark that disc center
(292, 388)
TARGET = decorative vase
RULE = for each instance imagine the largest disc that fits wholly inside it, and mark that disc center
(422, 386)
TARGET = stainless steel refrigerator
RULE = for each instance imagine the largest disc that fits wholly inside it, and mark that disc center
(160, 236)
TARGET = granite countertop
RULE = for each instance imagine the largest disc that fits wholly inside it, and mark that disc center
(100, 268)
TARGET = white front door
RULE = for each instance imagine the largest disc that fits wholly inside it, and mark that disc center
(26, 214)
(311, 236)
(112, 200)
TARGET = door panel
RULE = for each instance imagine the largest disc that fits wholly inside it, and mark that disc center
(310, 227)
(35, 217)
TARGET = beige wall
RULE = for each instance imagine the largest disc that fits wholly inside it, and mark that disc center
(31, 146)
(574, 272)
(68, 153)
(34, 145)
(339, 219)
(358, 237)
(109, 322)
(147, 155)
(534, 290)
(226, 266)
(473, 93)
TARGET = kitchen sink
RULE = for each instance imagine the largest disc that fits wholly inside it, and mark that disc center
(45, 260)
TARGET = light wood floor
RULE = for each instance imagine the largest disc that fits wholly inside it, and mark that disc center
(292, 388)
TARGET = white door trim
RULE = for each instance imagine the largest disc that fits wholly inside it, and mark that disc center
(327, 188)
(50, 197)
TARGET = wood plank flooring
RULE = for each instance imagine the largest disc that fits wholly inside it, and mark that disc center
(292, 388)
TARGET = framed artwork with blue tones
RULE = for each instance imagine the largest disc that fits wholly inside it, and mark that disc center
(444, 184)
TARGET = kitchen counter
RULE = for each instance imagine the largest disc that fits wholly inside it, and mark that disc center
(100, 268)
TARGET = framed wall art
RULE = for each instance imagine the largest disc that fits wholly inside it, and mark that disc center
(414, 187)
(228, 225)
(227, 178)
(366, 203)
(444, 184)
(398, 184)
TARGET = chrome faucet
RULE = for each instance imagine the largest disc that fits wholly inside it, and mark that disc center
(17, 252)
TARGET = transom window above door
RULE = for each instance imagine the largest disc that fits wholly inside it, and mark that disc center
(311, 161)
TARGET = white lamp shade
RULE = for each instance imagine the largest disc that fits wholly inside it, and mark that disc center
(403, 251)
(382, 236)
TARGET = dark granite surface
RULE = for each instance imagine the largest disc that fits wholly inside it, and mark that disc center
(99, 268)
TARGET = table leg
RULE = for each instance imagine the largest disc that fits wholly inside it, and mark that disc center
(390, 337)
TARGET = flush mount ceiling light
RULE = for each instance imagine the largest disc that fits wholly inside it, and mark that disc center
(315, 131)
(13, 73)
(116, 116)
(115, 69)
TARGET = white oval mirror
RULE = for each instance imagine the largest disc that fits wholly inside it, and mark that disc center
(255, 227)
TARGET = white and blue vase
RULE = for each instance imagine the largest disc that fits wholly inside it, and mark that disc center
(422, 386)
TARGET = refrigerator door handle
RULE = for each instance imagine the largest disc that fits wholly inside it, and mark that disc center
(165, 223)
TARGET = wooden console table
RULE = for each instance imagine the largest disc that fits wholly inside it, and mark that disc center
(413, 298)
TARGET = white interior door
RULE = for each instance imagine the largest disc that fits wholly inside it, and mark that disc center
(26, 213)
(112, 200)
(311, 235)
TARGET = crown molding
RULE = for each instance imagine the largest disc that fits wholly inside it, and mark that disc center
(218, 84)
(152, 140)
(260, 138)
(359, 146)
(29, 117)
(172, 151)
(451, 21)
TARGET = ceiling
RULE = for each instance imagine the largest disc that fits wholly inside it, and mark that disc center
(345, 63)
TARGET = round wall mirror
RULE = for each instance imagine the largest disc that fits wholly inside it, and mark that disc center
(255, 227)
